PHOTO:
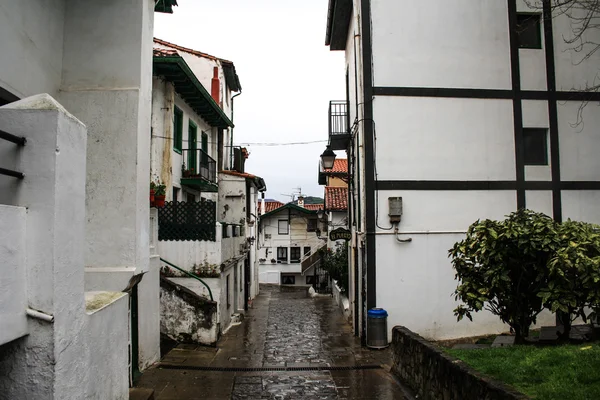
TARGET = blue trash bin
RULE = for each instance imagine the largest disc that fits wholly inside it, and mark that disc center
(377, 328)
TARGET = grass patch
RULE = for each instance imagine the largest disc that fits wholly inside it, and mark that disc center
(549, 373)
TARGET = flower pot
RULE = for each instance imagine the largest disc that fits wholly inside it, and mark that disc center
(159, 200)
(151, 197)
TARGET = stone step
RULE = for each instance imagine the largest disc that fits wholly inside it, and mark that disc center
(141, 394)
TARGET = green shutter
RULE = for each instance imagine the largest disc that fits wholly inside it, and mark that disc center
(177, 130)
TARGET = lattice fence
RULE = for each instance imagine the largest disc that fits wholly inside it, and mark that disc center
(187, 221)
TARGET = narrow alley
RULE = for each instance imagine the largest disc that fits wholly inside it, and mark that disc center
(290, 346)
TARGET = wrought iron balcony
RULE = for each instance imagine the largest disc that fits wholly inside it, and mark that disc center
(199, 171)
(339, 125)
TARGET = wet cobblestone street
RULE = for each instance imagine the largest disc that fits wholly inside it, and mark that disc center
(289, 346)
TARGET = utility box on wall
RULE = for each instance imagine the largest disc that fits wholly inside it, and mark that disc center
(395, 207)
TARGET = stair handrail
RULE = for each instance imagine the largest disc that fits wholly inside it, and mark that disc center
(191, 275)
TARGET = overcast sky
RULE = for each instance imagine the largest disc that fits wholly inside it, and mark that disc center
(287, 73)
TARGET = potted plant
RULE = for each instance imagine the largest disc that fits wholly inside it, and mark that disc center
(273, 261)
(152, 193)
(159, 195)
(262, 260)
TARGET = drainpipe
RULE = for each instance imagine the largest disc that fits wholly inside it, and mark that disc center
(231, 138)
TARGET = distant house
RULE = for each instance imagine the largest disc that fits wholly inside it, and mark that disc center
(207, 224)
(287, 235)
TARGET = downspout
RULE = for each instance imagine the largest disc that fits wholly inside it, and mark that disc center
(231, 137)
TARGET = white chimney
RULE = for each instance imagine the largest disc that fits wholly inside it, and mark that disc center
(300, 201)
(262, 206)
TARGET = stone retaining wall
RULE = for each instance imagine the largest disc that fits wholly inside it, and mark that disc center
(434, 375)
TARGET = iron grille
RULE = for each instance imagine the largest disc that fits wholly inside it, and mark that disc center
(198, 164)
(181, 221)
(338, 117)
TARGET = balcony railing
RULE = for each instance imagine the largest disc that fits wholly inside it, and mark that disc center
(339, 124)
(199, 170)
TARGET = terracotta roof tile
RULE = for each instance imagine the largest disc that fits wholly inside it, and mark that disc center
(158, 52)
(240, 174)
(270, 206)
(336, 198)
(314, 207)
(191, 51)
(340, 165)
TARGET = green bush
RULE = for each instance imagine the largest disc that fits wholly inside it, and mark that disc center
(335, 262)
(517, 267)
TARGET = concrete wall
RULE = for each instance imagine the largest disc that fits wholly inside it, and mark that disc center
(32, 33)
(113, 99)
(186, 254)
(53, 191)
(107, 352)
(13, 286)
(186, 317)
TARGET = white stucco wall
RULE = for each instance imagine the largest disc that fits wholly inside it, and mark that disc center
(32, 43)
(106, 350)
(467, 140)
(185, 254)
(53, 191)
(409, 52)
(113, 99)
(13, 286)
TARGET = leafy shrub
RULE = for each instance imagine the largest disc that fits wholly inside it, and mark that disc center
(517, 267)
(336, 264)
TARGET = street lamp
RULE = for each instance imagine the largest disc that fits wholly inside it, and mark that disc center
(328, 158)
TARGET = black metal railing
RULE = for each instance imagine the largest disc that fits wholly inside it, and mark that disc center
(181, 221)
(198, 164)
(338, 118)
(19, 141)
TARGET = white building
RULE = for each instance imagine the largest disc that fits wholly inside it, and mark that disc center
(79, 307)
(464, 110)
(206, 226)
(287, 236)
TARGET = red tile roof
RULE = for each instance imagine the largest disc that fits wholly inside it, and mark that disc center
(188, 50)
(336, 198)
(340, 165)
(158, 52)
(240, 174)
(270, 206)
(314, 207)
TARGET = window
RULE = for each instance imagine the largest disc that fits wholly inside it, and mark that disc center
(529, 31)
(311, 225)
(177, 130)
(294, 255)
(241, 286)
(310, 279)
(191, 198)
(307, 251)
(175, 194)
(288, 280)
(283, 227)
(227, 291)
(535, 146)
(282, 254)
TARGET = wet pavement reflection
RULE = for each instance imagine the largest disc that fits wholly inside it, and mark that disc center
(290, 346)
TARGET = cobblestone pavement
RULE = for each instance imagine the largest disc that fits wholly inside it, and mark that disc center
(289, 346)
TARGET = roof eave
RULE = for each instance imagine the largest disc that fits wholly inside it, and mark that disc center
(231, 77)
(339, 15)
(221, 120)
